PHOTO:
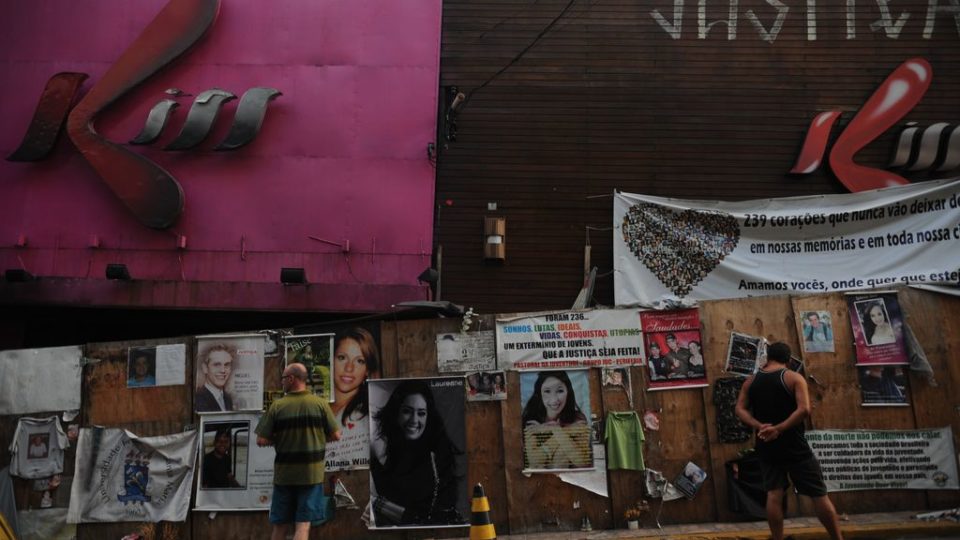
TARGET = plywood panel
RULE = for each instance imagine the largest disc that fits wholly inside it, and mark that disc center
(762, 317)
(625, 487)
(836, 401)
(553, 510)
(933, 319)
(154, 411)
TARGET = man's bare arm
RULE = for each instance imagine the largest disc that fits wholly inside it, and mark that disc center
(263, 441)
(335, 436)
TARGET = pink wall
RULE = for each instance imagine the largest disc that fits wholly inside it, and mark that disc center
(342, 156)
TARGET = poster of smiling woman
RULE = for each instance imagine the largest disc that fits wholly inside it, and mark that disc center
(877, 324)
(418, 460)
(556, 420)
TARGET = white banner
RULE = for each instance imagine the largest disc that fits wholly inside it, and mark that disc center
(235, 473)
(603, 337)
(702, 250)
(40, 380)
(861, 459)
(123, 477)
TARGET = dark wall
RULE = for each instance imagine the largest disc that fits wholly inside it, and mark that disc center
(569, 100)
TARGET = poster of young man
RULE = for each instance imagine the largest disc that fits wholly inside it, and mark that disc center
(743, 354)
(817, 330)
(883, 386)
(556, 420)
(315, 351)
(235, 473)
(163, 365)
(418, 460)
(877, 328)
(229, 373)
(674, 349)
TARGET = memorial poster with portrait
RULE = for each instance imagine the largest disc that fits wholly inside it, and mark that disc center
(162, 365)
(883, 386)
(315, 351)
(124, 477)
(356, 360)
(556, 420)
(234, 473)
(418, 453)
(229, 373)
(744, 354)
(816, 329)
(674, 350)
(877, 323)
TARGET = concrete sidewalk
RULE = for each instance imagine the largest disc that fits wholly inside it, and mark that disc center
(890, 525)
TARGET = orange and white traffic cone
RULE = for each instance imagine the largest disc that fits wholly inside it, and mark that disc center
(481, 528)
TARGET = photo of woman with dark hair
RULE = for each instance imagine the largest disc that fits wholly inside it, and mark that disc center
(417, 470)
(695, 367)
(876, 324)
(355, 359)
(556, 429)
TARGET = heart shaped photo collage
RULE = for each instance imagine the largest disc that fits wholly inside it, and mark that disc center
(679, 248)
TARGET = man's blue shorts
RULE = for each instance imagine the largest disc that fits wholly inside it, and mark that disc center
(299, 504)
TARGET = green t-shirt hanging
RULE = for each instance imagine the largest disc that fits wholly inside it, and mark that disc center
(624, 438)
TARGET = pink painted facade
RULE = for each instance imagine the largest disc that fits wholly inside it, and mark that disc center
(341, 158)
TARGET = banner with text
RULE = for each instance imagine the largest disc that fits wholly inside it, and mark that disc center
(860, 459)
(666, 248)
(603, 337)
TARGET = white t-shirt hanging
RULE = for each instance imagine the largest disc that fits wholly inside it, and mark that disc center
(37, 448)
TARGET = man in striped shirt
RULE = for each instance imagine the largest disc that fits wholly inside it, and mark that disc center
(298, 426)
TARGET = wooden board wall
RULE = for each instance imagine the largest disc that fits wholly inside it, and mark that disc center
(541, 502)
(161, 410)
(568, 101)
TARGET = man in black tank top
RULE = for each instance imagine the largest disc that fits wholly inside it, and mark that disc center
(775, 402)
